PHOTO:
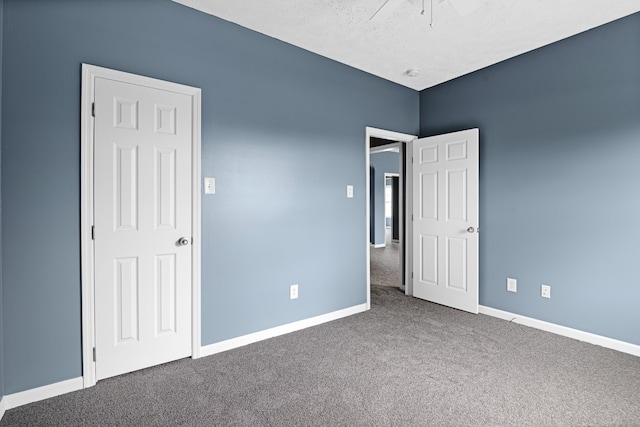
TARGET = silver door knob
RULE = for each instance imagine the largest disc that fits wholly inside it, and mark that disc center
(183, 241)
(470, 230)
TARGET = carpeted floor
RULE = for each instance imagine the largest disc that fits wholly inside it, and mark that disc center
(406, 362)
(385, 263)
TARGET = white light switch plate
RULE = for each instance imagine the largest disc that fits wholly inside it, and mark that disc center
(350, 191)
(209, 186)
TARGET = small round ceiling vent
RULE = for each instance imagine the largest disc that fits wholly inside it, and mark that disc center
(412, 72)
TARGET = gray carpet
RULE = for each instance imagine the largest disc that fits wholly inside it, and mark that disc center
(406, 362)
(385, 263)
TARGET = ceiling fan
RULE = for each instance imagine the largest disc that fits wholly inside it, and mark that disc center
(463, 7)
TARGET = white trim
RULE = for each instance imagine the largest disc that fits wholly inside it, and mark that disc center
(407, 248)
(89, 74)
(379, 245)
(576, 334)
(86, 221)
(402, 236)
(232, 343)
(389, 134)
(40, 393)
(408, 245)
(196, 186)
(392, 148)
(367, 201)
(45, 392)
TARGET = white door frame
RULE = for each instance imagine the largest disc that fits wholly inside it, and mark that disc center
(395, 148)
(392, 136)
(400, 210)
(89, 74)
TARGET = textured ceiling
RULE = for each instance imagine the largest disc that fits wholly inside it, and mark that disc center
(466, 34)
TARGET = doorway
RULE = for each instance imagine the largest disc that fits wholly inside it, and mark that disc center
(380, 141)
(386, 264)
(140, 222)
(459, 200)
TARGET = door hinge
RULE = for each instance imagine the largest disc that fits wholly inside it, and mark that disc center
(93, 232)
(93, 109)
(411, 217)
(411, 277)
(94, 354)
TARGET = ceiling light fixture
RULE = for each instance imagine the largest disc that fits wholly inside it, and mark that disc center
(412, 72)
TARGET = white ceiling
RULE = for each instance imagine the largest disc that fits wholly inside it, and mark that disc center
(400, 38)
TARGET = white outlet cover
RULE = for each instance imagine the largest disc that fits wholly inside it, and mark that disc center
(512, 285)
(545, 291)
(350, 191)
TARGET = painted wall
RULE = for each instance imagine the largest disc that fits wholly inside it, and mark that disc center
(274, 118)
(559, 177)
(385, 162)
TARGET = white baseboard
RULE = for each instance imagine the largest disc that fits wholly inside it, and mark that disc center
(379, 245)
(232, 343)
(611, 343)
(34, 395)
(45, 392)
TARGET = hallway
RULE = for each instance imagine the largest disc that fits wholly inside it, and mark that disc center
(385, 263)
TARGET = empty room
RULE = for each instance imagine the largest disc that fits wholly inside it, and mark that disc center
(189, 223)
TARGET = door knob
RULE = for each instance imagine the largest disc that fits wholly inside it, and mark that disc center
(183, 241)
(470, 230)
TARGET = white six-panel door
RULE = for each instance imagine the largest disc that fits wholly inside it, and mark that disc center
(445, 219)
(143, 225)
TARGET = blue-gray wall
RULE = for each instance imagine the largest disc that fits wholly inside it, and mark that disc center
(283, 132)
(559, 177)
(385, 162)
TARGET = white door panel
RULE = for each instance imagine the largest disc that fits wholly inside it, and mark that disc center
(445, 219)
(143, 204)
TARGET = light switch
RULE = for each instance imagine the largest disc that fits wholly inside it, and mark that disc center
(350, 191)
(209, 186)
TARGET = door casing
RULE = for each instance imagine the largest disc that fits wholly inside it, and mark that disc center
(89, 74)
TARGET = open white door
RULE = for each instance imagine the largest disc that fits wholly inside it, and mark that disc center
(445, 219)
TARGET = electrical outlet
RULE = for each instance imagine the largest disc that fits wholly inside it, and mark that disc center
(350, 191)
(293, 292)
(545, 291)
(512, 284)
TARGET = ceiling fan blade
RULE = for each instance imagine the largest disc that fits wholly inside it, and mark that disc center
(386, 10)
(466, 7)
